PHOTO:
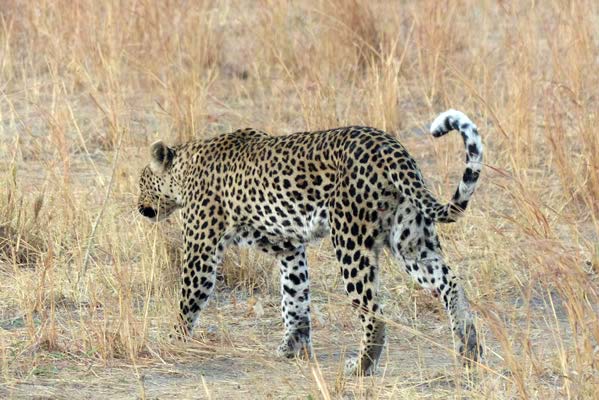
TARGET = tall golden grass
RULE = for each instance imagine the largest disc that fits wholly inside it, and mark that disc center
(88, 289)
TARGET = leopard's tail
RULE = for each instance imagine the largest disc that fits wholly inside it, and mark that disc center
(444, 123)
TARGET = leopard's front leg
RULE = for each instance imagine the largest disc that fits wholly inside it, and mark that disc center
(295, 303)
(295, 294)
(203, 256)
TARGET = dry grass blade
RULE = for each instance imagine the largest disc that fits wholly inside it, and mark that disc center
(100, 214)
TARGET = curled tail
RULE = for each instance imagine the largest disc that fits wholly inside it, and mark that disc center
(444, 123)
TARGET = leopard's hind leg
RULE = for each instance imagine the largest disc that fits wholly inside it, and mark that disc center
(356, 242)
(414, 239)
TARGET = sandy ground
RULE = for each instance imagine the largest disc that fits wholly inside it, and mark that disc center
(234, 358)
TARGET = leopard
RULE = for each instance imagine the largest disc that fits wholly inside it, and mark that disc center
(357, 185)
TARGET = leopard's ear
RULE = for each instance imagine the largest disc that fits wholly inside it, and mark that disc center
(162, 157)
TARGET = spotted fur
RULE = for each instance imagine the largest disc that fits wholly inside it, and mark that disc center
(279, 193)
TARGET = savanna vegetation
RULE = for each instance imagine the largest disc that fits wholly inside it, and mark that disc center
(88, 288)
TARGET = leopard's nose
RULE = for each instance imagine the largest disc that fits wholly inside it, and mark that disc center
(148, 212)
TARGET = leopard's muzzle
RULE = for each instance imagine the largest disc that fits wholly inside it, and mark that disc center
(148, 212)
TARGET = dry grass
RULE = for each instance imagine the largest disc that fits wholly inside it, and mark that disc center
(88, 290)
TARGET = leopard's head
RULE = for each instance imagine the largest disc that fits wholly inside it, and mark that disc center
(160, 192)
